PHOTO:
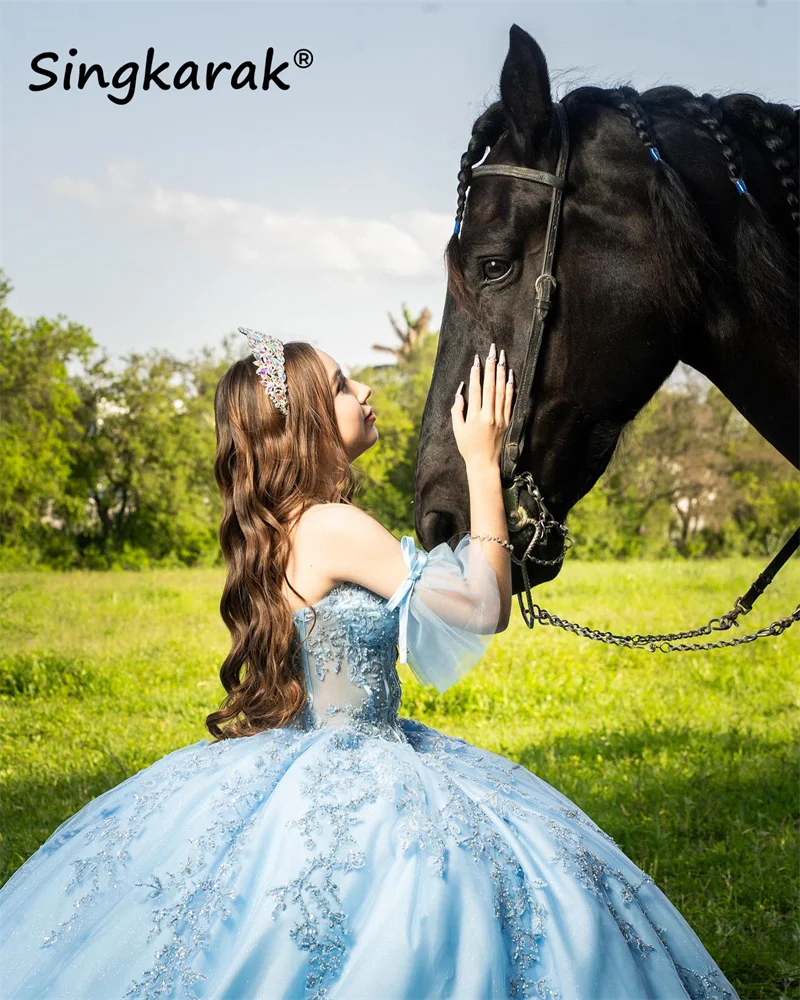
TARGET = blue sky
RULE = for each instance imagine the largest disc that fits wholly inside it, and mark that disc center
(308, 213)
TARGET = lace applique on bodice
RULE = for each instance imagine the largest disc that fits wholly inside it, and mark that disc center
(349, 660)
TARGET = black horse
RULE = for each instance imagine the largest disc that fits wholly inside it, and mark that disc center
(678, 242)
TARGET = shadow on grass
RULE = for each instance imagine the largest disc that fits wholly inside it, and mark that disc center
(34, 806)
(712, 817)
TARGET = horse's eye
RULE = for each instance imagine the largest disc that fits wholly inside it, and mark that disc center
(495, 268)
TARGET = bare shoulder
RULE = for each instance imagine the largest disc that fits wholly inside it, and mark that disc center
(342, 518)
(352, 546)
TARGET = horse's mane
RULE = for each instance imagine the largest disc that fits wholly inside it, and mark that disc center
(764, 267)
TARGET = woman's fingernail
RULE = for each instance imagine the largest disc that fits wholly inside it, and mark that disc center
(502, 360)
(477, 362)
(492, 353)
(510, 374)
(458, 390)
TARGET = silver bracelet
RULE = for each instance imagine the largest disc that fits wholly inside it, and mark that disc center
(492, 538)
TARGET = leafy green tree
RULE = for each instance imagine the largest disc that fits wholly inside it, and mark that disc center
(764, 501)
(39, 425)
(145, 465)
(690, 478)
(399, 392)
(415, 332)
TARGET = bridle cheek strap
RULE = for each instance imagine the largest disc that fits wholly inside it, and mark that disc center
(514, 438)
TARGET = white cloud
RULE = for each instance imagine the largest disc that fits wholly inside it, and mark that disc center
(402, 245)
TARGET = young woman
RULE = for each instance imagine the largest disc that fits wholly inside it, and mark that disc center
(321, 846)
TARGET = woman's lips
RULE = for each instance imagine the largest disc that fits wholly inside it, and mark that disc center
(370, 418)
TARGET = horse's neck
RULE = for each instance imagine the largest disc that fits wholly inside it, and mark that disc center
(755, 365)
(757, 371)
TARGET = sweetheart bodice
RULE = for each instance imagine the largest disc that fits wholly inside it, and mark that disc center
(349, 657)
(442, 616)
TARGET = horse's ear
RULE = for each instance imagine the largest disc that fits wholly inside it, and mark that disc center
(525, 92)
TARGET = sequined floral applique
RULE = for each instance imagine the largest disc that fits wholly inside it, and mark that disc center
(353, 630)
(366, 771)
(197, 894)
(102, 868)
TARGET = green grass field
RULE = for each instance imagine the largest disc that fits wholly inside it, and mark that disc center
(688, 760)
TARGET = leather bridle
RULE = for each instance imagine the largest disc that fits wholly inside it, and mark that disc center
(542, 521)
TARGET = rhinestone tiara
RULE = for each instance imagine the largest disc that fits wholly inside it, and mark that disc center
(268, 353)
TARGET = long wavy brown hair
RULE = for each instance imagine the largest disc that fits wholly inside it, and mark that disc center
(269, 468)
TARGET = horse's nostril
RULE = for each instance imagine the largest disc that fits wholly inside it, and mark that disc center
(427, 529)
(437, 526)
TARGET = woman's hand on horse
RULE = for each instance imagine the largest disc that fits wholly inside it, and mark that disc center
(479, 433)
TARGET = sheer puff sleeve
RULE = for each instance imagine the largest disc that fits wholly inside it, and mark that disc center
(449, 607)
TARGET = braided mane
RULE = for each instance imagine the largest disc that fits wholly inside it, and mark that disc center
(761, 260)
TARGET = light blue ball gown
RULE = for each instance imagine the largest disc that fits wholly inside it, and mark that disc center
(353, 855)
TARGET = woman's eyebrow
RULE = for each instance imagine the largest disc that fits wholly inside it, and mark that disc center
(336, 375)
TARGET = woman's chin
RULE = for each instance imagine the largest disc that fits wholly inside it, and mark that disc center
(367, 442)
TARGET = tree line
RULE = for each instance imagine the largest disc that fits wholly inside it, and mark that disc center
(105, 466)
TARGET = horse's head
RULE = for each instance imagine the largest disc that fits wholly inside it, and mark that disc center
(631, 262)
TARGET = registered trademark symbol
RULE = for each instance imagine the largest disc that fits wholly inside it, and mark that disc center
(303, 58)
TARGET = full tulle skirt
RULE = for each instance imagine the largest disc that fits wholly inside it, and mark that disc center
(336, 864)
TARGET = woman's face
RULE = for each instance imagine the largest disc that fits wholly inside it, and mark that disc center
(354, 416)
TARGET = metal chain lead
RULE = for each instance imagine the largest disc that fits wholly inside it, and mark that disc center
(543, 523)
(656, 643)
